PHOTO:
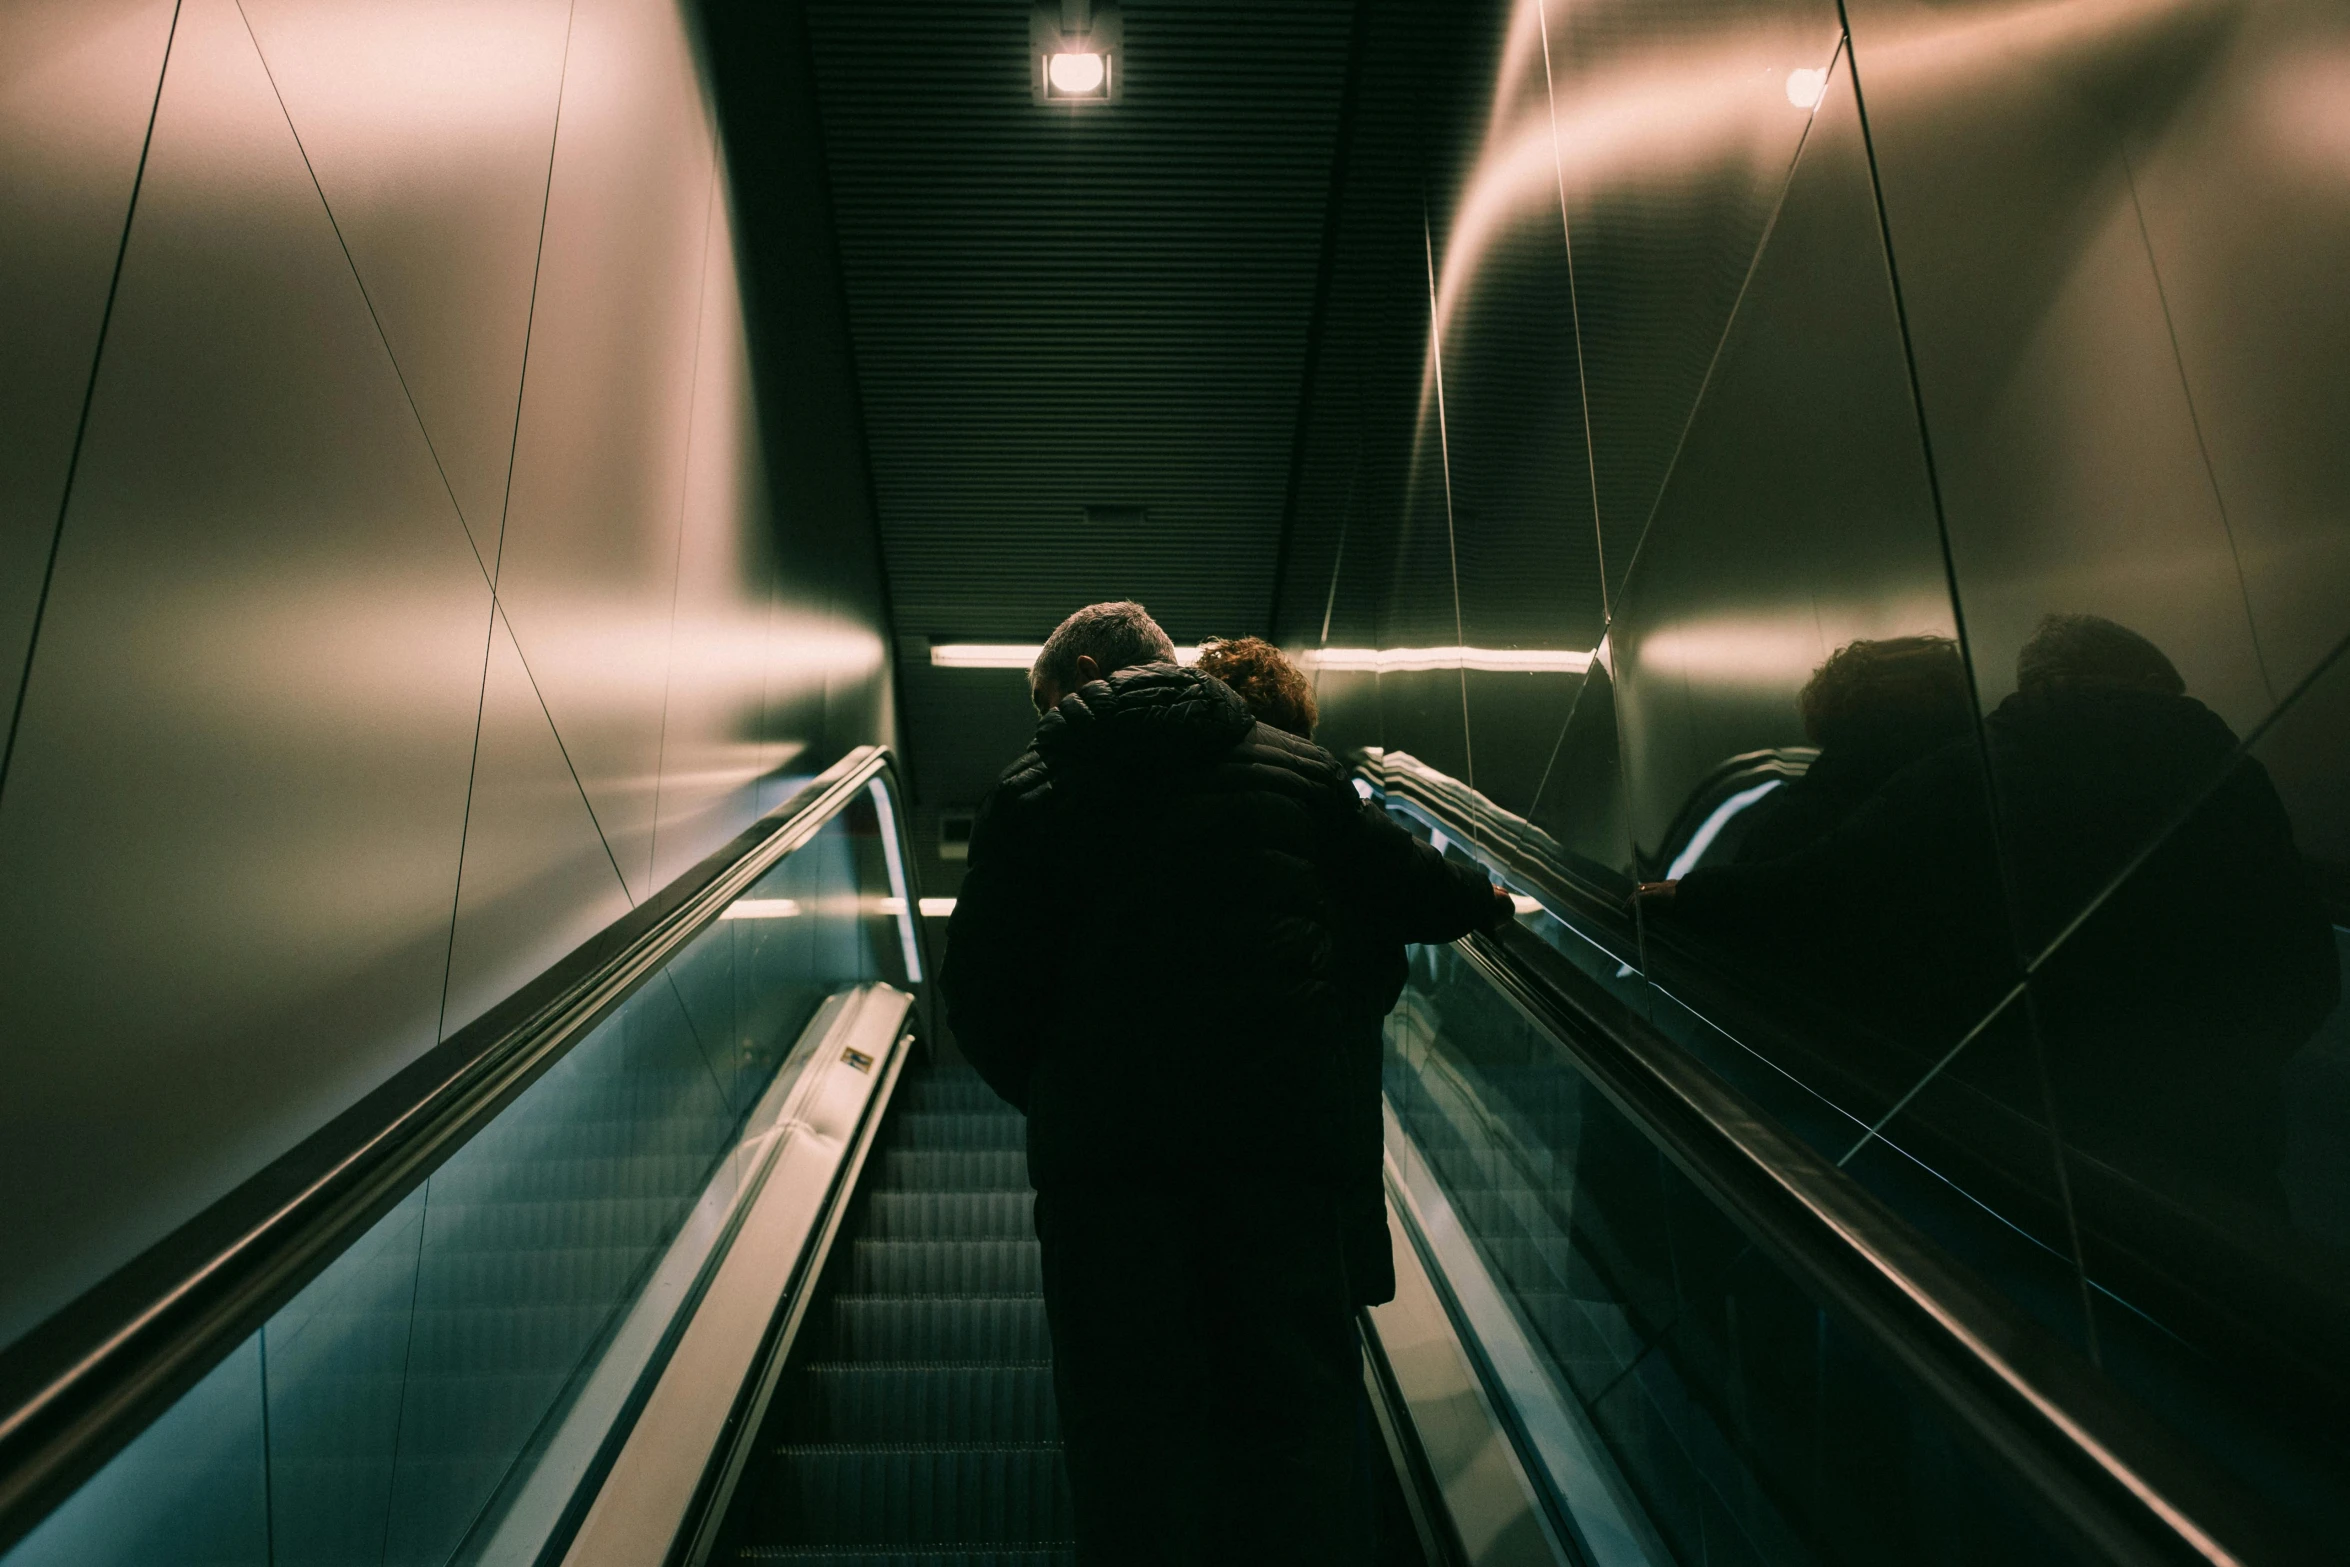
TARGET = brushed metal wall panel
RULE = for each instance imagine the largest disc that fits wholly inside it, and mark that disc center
(1420, 712)
(428, 124)
(2073, 478)
(537, 879)
(75, 99)
(1674, 128)
(829, 683)
(714, 741)
(1526, 551)
(1798, 518)
(2247, 216)
(1798, 524)
(589, 565)
(1423, 711)
(229, 841)
(1581, 799)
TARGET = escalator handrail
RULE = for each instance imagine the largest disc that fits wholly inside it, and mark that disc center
(78, 1388)
(2122, 1482)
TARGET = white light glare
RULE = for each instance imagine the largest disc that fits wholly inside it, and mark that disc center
(762, 909)
(1008, 655)
(1525, 905)
(930, 907)
(1075, 74)
(1806, 88)
(1402, 660)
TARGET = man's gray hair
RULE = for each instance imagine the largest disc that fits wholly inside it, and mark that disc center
(1115, 636)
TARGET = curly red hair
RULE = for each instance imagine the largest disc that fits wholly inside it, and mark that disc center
(1275, 689)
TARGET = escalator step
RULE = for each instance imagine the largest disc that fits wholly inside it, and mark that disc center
(1004, 1170)
(960, 1131)
(980, 1267)
(949, 1215)
(908, 1496)
(901, 1327)
(952, 1091)
(865, 1401)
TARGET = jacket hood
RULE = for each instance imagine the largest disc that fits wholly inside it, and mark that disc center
(1147, 717)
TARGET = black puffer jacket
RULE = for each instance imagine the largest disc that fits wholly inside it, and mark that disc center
(1177, 936)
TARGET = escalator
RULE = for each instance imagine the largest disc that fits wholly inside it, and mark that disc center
(703, 1249)
(917, 1411)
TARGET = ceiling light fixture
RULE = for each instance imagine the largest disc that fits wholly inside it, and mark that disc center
(1074, 52)
(1490, 660)
(1008, 655)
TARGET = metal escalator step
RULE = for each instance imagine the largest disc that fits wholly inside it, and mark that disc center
(949, 1216)
(938, 1170)
(959, 1131)
(867, 1401)
(913, 1327)
(919, 1495)
(964, 1091)
(940, 1267)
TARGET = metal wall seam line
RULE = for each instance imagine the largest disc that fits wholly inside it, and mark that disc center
(82, 423)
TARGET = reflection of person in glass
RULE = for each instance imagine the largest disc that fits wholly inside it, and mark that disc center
(1872, 709)
(2168, 1013)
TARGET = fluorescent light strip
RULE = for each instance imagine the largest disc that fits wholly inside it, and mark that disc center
(1403, 660)
(1369, 660)
(1008, 655)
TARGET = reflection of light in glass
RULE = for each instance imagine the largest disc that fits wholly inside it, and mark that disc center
(1076, 73)
(1399, 660)
(937, 908)
(1008, 655)
(762, 909)
(897, 881)
(1804, 88)
(1703, 839)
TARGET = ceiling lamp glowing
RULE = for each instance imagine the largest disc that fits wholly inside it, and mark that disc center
(1008, 655)
(1073, 51)
(1415, 660)
(1076, 75)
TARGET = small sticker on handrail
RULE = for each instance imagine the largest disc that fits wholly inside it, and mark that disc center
(858, 1059)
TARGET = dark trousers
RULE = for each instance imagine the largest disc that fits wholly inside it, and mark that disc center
(1209, 1375)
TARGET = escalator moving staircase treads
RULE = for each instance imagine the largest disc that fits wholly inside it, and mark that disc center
(920, 1429)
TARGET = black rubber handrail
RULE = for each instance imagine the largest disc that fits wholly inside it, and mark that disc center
(2107, 1471)
(75, 1390)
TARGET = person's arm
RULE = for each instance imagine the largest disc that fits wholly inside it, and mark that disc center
(1412, 890)
(1000, 944)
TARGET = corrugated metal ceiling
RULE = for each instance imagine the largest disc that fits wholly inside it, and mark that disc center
(1058, 308)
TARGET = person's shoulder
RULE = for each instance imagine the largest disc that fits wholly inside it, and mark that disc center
(1280, 748)
(1276, 758)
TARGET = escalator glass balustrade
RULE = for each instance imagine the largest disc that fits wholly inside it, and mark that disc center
(445, 1390)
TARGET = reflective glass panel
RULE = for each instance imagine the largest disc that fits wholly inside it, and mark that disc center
(1745, 1419)
(410, 1405)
